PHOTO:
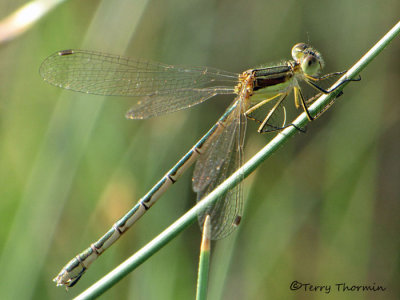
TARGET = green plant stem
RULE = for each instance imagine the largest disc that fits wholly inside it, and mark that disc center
(204, 261)
(188, 218)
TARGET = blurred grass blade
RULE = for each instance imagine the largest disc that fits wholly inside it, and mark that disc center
(24, 18)
(48, 187)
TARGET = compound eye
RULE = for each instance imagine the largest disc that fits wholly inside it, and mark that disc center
(310, 65)
(298, 51)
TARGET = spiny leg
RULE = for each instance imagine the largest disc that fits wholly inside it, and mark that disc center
(310, 79)
(272, 110)
(326, 107)
(258, 105)
(326, 76)
(312, 99)
(298, 95)
(276, 128)
(264, 123)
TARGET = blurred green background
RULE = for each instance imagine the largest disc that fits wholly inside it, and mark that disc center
(323, 210)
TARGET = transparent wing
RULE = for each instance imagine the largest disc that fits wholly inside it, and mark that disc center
(104, 74)
(157, 104)
(222, 157)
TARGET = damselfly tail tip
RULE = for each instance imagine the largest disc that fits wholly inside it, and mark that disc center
(64, 278)
(59, 279)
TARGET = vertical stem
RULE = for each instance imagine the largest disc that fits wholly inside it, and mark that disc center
(204, 261)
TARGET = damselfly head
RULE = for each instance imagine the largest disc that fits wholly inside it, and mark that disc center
(309, 59)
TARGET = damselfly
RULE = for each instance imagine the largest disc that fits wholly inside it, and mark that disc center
(165, 88)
